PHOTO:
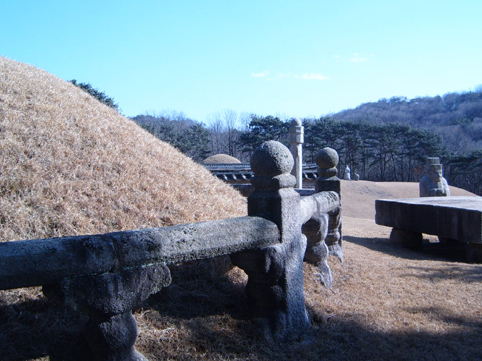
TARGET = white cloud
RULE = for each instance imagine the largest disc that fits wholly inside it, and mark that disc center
(358, 59)
(311, 76)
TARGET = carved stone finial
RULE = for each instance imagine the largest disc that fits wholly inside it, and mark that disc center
(295, 122)
(271, 163)
(271, 159)
(327, 158)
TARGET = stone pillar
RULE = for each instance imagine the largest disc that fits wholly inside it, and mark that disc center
(274, 292)
(327, 161)
(296, 142)
(108, 299)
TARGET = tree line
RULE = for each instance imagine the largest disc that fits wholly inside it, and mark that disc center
(376, 151)
(387, 140)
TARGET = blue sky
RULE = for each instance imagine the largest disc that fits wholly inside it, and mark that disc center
(287, 58)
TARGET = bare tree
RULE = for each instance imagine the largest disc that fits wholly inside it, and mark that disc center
(224, 127)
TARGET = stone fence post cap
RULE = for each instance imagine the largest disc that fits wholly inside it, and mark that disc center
(327, 158)
(272, 159)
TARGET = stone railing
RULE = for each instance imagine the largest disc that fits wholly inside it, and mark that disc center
(110, 274)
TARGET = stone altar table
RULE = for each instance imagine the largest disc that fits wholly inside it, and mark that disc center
(450, 218)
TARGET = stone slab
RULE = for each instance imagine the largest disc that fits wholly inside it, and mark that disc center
(458, 218)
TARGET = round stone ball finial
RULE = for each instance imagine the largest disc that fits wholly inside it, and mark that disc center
(295, 122)
(327, 158)
(271, 159)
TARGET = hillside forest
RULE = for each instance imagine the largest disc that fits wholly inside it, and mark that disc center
(387, 140)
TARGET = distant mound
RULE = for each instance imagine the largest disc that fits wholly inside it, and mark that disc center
(71, 165)
(221, 158)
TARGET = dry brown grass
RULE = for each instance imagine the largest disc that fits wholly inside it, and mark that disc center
(387, 303)
(71, 165)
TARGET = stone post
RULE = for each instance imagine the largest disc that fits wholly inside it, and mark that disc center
(327, 161)
(274, 292)
(296, 142)
(108, 299)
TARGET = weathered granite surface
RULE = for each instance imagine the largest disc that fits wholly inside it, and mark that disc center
(327, 161)
(38, 262)
(433, 184)
(275, 291)
(458, 218)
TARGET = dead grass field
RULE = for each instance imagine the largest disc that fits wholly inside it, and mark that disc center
(387, 303)
(71, 165)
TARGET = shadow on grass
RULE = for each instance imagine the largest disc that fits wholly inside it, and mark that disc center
(206, 310)
(37, 328)
(452, 252)
(330, 340)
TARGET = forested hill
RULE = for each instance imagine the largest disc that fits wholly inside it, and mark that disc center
(456, 117)
(388, 140)
(449, 109)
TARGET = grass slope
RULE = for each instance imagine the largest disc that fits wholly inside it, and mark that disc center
(71, 165)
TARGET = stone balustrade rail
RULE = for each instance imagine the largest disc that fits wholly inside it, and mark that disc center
(108, 275)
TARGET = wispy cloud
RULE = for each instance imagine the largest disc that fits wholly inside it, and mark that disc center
(311, 76)
(358, 59)
(268, 75)
(355, 58)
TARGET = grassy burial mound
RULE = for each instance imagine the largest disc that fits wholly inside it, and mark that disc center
(221, 158)
(71, 165)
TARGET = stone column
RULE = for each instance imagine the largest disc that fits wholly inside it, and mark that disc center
(296, 142)
(327, 161)
(108, 299)
(274, 292)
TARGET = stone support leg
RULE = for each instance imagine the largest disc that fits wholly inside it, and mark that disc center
(474, 252)
(108, 299)
(405, 238)
(334, 238)
(274, 291)
(316, 230)
(112, 337)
